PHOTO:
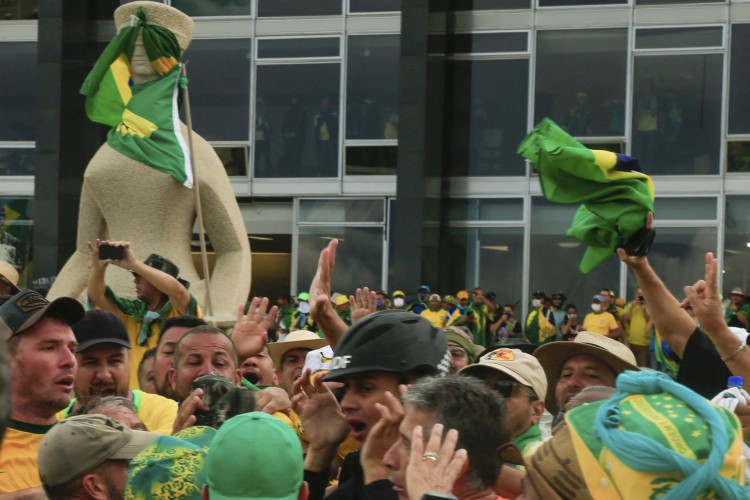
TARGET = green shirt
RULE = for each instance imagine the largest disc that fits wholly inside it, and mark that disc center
(529, 440)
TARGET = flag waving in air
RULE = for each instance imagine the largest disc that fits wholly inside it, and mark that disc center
(144, 118)
(615, 195)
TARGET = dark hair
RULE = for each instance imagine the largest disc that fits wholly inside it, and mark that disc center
(205, 330)
(185, 321)
(105, 402)
(476, 412)
(146, 356)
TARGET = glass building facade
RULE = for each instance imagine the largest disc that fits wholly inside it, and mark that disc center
(310, 106)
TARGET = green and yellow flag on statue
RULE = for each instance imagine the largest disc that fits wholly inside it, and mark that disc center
(145, 117)
(614, 194)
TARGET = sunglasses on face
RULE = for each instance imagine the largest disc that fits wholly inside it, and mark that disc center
(506, 387)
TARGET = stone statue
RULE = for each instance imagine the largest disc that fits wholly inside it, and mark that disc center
(125, 199)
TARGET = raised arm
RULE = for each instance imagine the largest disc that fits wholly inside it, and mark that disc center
(321, 309)
(96, 285)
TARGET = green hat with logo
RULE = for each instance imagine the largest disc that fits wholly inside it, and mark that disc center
(27, 308)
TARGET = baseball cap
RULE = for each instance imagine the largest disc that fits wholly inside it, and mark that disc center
(303, 296)
(247, 458)
(435, 296)
(598, 297)
(424, 288)
(342, 299)
(27, 307)
(298, 339)
(9, 276)
(737, 291)
(319, 360)
(521, 367)
(398, 293)
(463, 294)
(169, 467)
(538, 295)
(78, 444)
(458, 337)
(554, 355)
(99, 327)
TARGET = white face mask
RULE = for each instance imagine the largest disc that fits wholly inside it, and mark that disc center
(536, 303)
(572, 316)
(398, 302)
(596, 307)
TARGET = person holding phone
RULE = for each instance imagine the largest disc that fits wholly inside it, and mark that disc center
(160, 294)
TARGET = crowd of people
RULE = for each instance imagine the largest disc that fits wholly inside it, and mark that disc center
(368, 396)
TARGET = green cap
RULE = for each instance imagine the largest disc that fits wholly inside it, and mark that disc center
(254, 456)
(27, 308)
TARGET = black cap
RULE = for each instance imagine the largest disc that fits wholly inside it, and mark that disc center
(538, 295)
(166, 266)
(99, 327)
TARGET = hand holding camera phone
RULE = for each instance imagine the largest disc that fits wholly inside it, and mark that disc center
(111, 252)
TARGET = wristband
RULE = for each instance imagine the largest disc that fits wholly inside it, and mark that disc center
(731, 356)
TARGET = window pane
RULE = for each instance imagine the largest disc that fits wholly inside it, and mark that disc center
(488, 257)
(736, 249)
(213, 7)
(17, 161)
(492, 4)
(16, 231)
(679, 257)
(19, 9)
(298, 47)
(371, 160)
(489, 43)
(580, 80)
(359, 260)
(504, 209)
(555, 257)
(234, 159)
(296, 122)
(487, 116)
(677, 113)
(374, 5)
(341, 210)
(18, 91)
(372, 87)
(220, 104)
(560, 3)
(663, 2)
(739, 74)
(274, 8)
(738, 156)
(685, 208)
(673, 38)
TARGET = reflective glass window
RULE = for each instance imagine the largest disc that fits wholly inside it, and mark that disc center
(11, 10)
(736, 244)
(341, 210)
(282, 8)
(372, 87)
(491, 258)
(213, 7)
(219, 76)
(580, 80)
(738, 156)
(16, 232)
(499, 209)
(234, 159)
(371, 160)
(374, 6)
(562, 3)
(297, 120)
(279, 48)
(492, 4)
(17, 161)
(692, 208)
(664, 2)
(677, 113)
(18, 91)
(739, 80)
(486, 116)
(359, 259)
(483, 43)
(555, 258)
(674, 38)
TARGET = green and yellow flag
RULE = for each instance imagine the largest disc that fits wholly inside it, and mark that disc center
(144, 118)
(615, 195)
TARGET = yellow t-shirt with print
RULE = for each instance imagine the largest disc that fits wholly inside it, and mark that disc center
(18, 456)
(601, 323)
(438, 318)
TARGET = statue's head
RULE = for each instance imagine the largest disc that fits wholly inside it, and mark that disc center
(157, 13)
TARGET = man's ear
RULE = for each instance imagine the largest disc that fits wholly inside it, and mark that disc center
(537, 410)
(238, 377)
(304, 491)
(94, 486)
(171, 376)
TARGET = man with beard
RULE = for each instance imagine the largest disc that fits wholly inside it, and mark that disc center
(103, 370)
(289, 356)
(172, 330)
(41, 348)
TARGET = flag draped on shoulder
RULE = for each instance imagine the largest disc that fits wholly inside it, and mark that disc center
(145, 117)
(614, 194)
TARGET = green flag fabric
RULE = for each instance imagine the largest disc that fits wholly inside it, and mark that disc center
(614, 194)
(144, 118)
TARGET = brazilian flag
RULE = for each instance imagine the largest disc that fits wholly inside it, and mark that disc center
(614, 194)
(144, 118)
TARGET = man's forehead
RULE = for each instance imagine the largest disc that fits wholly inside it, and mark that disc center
(206, 341)
(174, 334)
(105, 349)
(586, 361)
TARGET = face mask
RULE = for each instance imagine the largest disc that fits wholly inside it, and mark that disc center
(572, 316)
(536, 303)
(596, 307)
(398, 302)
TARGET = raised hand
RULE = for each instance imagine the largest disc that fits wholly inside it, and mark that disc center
(364, 302)
(250, 331)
